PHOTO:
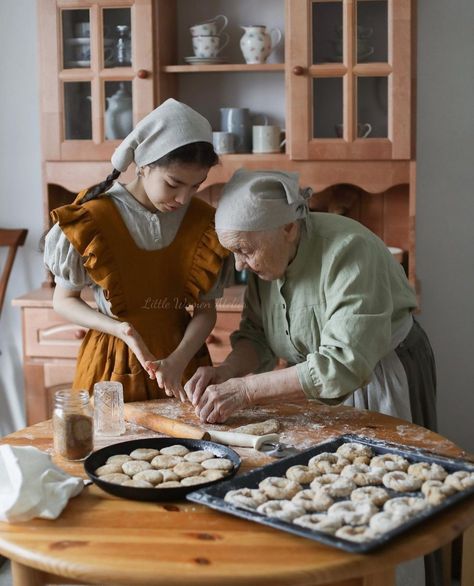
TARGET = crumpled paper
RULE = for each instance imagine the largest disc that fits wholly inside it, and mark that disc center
(32, 486)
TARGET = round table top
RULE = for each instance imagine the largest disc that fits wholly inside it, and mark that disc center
(99, 537)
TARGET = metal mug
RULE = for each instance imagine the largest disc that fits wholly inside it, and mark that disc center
(223, 142)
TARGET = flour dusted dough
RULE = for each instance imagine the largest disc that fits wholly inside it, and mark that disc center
(146, 454)
(175, 450)
(160, 462)
(152, 476)
(260, 428)
(118, 459)
(108, 469)
(198, 456)
(217, 464)
(115, 478)
(282, 509)
(186, 469)
(192, 480)
(135, 466)
(213, 474)
(137, 483)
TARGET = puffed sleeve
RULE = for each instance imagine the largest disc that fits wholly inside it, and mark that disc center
(63, 260)
(225, 278)
(251, 327)
(357, 324)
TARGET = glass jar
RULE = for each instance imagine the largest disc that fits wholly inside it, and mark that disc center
(73, 430)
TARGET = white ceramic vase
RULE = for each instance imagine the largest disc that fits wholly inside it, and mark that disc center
(257, 44)
(119, 115)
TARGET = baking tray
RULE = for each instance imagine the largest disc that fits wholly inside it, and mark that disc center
(99, 457)
(213, 497)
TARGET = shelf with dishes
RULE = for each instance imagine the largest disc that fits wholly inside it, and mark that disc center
(224, 67)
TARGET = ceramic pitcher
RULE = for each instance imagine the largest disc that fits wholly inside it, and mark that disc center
(257, 44)
(119, 115)
(237, 121)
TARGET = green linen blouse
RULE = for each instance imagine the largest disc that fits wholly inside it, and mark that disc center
(334, 312)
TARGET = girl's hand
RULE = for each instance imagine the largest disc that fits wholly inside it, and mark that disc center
(218, 402)
(134, 341)
(168, 373)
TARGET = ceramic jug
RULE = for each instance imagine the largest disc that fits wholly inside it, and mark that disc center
(237, 121)
(119, 114)
(257, 44)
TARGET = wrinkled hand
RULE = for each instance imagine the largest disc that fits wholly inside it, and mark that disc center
(135, 342)
(168, 373)
(204, 376)
(218, 402)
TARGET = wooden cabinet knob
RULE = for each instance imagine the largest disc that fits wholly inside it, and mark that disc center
(298, 70)
(212, 339)
(80, 334)
(142, 73)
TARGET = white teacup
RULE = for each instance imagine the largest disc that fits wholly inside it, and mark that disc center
(363, 130)
(266, 139)
(210, 28)
(209, 46)
(223, 142)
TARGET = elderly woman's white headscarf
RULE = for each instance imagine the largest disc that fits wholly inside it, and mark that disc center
(261, 200)
(171, 125)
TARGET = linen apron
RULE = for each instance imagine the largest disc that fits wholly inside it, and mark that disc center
(148, 288)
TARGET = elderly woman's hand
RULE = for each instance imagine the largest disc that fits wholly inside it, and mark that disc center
(204, 376)
(218, 402)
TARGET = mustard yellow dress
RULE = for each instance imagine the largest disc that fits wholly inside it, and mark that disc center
(148, 288)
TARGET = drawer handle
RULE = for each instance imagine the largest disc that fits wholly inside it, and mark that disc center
(80, 334)
(298, 70)
(142, 73)
(212, 339)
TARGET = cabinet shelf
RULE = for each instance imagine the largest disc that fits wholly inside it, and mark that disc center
(224, 68)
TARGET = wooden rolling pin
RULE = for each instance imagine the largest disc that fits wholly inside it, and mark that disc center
(163, 424)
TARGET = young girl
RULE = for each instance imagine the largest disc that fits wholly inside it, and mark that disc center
(148, 249)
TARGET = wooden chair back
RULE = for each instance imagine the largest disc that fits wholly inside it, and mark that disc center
(12, 239)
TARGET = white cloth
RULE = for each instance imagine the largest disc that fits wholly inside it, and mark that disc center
(261, 200)
(32, 486)
(166, 128)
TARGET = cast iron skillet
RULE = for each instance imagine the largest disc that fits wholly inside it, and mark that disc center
(99, 458)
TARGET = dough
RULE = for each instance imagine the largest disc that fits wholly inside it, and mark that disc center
(115, 478)
(385, 521)
(337, 488)
(169, 484)
(427, 471)
(277, 487)
(358, 534)
(301, 474)
(436, 491)
(401, 481)
(152, 476)
(375, 494)
(198, 456)
(282, 509)
(351, 513)
(118, 459)
(192, 480)
(389, 462)
(168, 474)
(319, 522)
(353, 450)
(328, 463)
(246, 498)
(311, 501)
(460, 480)
(214, 474)
(185, 469)
(217, 464)
(160, 461)
(108, 469)
(405, 506)
(260, 428)
(362, 475)
(321, 481)
(146, 454)
(134, 466)
(176, 450)
(137, 483)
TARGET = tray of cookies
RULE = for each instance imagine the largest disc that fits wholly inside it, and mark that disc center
(352, 492)
(160, 469)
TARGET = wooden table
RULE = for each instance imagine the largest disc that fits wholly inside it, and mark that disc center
(101, 539)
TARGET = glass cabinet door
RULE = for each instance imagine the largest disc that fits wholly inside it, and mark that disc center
(103, 73)
(349, 79)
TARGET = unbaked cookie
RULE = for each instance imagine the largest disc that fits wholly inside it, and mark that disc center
(115, 478)
(168, 474)
(375, 494)
(165, 461)
(319, 522)
(135, 466)
(385, 521)
(198, 456)
(359, 534)
(169, 484)
(352, 451)
(301, 474)
(152, 476)
(277, 487)
(108, 469)
(436, 491)
(146, 454)
(339, 487)
(405, 506)
(427, 471)
(351, 513)
(389, 462)
(175, 450)
(246, 498)
(118, 459)
(137, 483)
(460, 480)
(402, 481)
(328, 463)
(311, 501)
(192, 480)
(282, 509)
(185, 469)
(214, 474)
(217, 464)
(362, 475)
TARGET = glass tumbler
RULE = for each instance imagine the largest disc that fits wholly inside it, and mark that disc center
(108, 408)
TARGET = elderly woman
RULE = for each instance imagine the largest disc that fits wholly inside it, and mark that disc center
(325, 295)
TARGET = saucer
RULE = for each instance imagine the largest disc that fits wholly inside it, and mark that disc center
(197, 60)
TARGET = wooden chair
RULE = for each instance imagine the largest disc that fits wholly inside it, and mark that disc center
(12, 239)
